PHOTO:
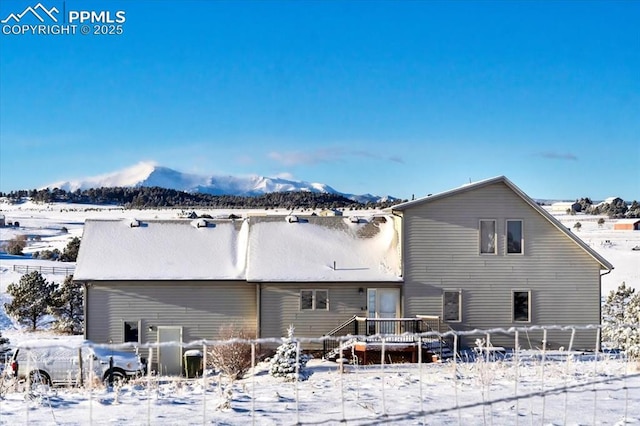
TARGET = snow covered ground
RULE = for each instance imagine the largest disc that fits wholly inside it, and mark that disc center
(561, 390)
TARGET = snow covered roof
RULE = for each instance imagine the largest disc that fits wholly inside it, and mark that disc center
(161, 250)
(266, 248)
(322, 249)
(604, 264)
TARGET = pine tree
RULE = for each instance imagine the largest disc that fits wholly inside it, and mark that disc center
(285, 362)
(621, 320)
(70, 252)
(67, 306)
(32, 297)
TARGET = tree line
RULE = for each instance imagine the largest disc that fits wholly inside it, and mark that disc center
(157, 197)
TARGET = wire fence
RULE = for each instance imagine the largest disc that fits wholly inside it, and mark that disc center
(481, 385)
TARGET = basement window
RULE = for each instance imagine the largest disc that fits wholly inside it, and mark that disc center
(521, 305)
(314, 300)
(452, 305)
(131, 331)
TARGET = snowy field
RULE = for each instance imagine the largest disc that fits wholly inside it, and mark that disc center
(554, 388)
(554, 392)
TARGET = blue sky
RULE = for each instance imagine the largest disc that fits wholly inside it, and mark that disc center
(382, 97)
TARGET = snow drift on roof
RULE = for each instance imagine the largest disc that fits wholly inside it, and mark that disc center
(322, 249)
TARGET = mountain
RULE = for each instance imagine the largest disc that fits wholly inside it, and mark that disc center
(146, 174)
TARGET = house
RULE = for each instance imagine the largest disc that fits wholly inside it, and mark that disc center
(627, 225)
(566, 206)
(181, 280)
(486, 256)
(330, 212)
(481, 256)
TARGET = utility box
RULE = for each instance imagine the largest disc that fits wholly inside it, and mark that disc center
(193, 363)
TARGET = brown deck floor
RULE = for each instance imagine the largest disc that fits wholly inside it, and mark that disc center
(370, 353)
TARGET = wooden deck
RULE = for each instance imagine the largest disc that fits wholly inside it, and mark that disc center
(371, 353)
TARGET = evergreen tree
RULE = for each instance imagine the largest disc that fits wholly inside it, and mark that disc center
(285, 362)
(621, 320)
(70, 252)
(67, 306)
(32, 297)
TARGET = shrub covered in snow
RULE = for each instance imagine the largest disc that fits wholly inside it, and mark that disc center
(287, 361)
(233, 359)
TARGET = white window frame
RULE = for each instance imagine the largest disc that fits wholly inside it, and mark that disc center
(513, 306)
(457, 291)
(314, 299)
(495, 237)
(506, 237)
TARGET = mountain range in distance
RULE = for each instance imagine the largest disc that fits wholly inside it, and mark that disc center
(146, 174)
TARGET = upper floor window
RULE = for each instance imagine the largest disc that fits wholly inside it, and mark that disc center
(514, 237)
(488, 237)
(314, 299)
(452, 306)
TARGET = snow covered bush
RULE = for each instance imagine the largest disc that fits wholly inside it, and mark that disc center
(286, 362)
(621, 320)
(233, 359)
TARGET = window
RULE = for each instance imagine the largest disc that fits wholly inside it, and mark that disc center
(314, 300)
(514, 237)
(452, 306)
(521, 306)
(131, 331)
(487, 237)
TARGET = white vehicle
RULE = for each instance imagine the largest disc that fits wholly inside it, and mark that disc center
(56, 362)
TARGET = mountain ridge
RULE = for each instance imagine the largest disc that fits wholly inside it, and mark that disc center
(148, 174)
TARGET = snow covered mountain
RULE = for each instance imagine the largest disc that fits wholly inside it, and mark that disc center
(148, 175)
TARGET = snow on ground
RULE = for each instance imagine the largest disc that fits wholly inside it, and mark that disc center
(562, 390)
(578, 391)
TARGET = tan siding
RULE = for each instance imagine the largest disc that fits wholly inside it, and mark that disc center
(281, 308)
(201, 308)
(442, 251)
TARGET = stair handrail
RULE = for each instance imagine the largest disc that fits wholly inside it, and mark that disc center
(440, 335)
(341, 326)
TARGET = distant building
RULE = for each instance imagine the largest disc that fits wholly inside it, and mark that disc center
(2, 223)
(563, 206)
(627, 225)
(330, 212)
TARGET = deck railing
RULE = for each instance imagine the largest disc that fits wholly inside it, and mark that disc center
(373, 329)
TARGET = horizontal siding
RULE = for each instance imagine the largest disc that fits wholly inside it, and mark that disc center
(281, 308)
(441, 250)
(201, 308)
